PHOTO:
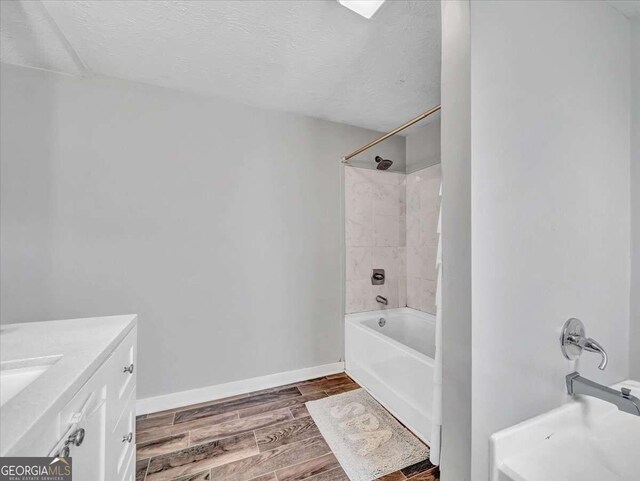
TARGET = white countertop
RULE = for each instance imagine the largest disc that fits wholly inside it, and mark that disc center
(80, 346)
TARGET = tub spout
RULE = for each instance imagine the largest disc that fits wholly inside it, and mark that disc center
(382, 300)
(623, 399)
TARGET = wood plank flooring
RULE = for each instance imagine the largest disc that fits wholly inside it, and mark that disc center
(261, 436)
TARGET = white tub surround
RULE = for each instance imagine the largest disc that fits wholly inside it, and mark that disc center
(423, 209)
(391, 223)
(60, 376)
(375, 236)
(395, 362)
(587, 439)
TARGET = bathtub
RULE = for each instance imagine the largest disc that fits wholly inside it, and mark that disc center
(395, 362)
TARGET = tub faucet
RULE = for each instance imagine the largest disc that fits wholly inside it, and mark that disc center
(382, 300)
(573, 341)
(576, 384)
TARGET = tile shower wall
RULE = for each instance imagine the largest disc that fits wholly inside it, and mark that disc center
(423, 204)
(391, 224)
(375, 237)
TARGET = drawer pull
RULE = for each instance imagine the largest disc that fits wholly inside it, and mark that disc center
(129, 368)
(76, 438)
(128, 438)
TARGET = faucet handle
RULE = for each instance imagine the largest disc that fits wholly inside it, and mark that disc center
(573, 341)
(592, 345)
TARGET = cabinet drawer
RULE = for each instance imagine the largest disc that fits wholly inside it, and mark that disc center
(122, 442)
(121, 368)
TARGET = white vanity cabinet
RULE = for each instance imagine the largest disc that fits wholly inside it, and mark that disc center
(103, 414)
(84, 405)
(97, 426)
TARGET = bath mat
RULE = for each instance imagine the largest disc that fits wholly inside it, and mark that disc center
(366, 439)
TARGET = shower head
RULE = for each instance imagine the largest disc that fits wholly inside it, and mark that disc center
(383, 164)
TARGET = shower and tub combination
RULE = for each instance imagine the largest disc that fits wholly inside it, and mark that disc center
(392, 252)
(392, 354)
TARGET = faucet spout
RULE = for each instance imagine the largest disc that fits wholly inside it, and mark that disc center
(623, 400)
(591, 345)
(382, 300)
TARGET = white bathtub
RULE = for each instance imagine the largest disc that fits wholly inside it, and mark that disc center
(395, 362)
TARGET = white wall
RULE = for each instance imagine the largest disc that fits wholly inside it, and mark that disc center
(455, 459)
(634, 338)
(219, 224)
(550, 202)
(423, 145)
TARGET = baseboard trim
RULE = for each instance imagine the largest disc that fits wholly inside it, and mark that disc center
(219, 391)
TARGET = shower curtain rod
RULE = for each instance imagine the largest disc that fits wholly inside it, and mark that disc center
(423, 115)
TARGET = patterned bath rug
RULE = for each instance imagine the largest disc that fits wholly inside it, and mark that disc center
(366, 439)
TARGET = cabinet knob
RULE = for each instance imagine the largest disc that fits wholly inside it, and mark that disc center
(63, 453)
(128, 438)
(129, 368)
(76, 438)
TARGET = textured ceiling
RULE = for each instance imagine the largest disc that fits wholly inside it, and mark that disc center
(311, 57)
(27, 38)
(629, 8)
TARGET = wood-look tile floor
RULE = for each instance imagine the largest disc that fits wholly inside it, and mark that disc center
(262, 436)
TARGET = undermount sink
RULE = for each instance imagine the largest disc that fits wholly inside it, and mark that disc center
(587, 439)
(17, 375)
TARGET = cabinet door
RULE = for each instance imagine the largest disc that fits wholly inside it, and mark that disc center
(120, 370)
(122, 444)
(86, 413)
(89, 458)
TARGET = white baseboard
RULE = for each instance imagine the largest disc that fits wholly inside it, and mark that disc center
(219, 391)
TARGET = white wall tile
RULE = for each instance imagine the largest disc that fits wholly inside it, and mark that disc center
(359, 230)
(391, 224)
(391, 259)
(427, 294)
(389, 290)
(359, 199)
(413, 292)
(414, 230)
(422, 200)
(358, 295)
(402, 291)
(388, 199)
(386, 230)
(358, 262)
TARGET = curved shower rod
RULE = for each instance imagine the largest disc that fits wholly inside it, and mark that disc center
(423, 115)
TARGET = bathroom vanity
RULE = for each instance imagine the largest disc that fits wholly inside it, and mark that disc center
(68, 388)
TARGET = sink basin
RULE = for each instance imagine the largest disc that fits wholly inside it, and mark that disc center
(17, 375)
(586, 439)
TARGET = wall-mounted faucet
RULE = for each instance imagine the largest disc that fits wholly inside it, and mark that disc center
(382, 300)
(377, 277)
(576, 384)
(573, 341)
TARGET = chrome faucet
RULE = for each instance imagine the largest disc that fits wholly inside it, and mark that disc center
(576, 384)
(573, 341)
(590, 345)
(382, 300)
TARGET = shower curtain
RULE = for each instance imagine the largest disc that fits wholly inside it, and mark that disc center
(436, 430)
